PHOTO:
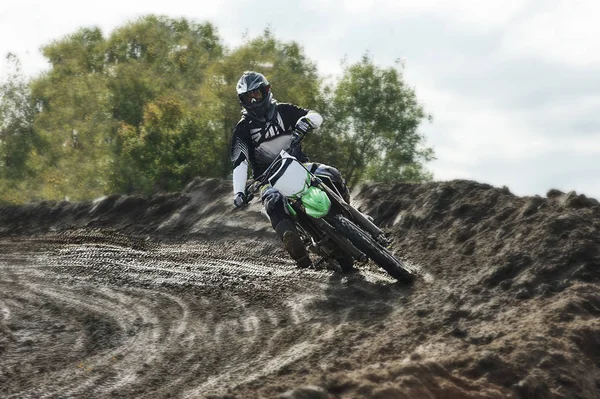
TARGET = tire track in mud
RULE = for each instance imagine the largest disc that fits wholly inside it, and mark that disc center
(103, 320)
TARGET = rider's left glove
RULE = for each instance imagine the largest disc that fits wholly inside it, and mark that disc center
(240, 200)
(303, 126)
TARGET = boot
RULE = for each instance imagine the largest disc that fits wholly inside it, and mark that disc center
(293, 243)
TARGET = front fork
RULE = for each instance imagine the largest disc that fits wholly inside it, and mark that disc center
(319, 242)
(357, 217)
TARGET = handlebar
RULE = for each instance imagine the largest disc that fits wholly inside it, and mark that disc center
(254, 185)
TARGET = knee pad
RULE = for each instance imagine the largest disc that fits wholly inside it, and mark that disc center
(274, 205)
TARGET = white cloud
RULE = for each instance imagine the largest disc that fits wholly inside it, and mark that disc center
(584, 146)
(566, 31)
(476, 132)
(510, 147)
(358, 6)
(474, 13)
(26, 26)
(569, 118)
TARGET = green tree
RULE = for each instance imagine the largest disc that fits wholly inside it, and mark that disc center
(16, 122)
(152, 62)
(157, 55)
(154, 105)
(18, 139)
(73, 119)
(169, 149)
(95, 99)
(376, 117)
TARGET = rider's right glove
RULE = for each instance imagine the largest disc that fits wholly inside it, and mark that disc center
(240, 200)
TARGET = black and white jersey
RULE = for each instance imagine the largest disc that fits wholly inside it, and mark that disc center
(260, 142)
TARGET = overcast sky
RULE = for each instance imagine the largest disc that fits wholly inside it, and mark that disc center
(513, 85)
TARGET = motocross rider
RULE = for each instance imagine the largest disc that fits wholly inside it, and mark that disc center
(266, 128)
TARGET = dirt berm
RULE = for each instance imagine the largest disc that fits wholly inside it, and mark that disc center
(182, 296)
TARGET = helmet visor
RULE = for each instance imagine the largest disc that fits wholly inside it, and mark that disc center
(252, 96)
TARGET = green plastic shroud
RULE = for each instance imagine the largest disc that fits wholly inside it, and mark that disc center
(316, 202)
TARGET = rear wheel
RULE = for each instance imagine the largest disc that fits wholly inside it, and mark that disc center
(375, 251)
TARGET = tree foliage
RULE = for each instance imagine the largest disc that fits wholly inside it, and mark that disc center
(153, 105)
(377, 116)
(17, 135)
(16, 122)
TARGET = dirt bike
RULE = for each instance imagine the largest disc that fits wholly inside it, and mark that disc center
(329, 226)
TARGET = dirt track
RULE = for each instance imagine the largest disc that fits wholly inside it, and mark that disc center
(157, 298)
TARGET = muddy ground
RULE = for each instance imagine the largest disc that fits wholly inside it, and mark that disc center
(182, 296)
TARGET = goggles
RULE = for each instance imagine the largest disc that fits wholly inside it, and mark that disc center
(251, 96)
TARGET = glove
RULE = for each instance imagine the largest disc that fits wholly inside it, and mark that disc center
(240, 201)
(303, 126)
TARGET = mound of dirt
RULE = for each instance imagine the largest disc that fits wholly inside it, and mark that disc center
(519, 299)
(507, 304)
(203, 207)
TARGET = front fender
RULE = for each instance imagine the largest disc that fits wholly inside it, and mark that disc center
(316, 202)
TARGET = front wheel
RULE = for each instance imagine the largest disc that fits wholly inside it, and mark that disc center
(375, 251)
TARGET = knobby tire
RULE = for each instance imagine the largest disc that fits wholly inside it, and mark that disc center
(375, 251)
